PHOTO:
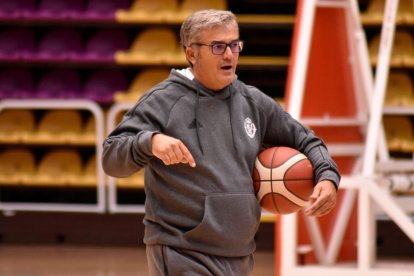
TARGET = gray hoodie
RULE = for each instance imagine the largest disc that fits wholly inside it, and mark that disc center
(211, 208)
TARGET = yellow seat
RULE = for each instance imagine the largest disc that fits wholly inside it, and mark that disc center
(16, 125)
(88, 176)
(153, 46)
(88, 136)
(189, 6)
(59, 126)
(134, 181)
(402, 50)
(147, 11)
(375, 12)
(59, 167)
(399, 90)
(144, 81)
(399, 133)
(17, 166)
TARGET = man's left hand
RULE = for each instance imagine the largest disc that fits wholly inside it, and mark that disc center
(322, 200)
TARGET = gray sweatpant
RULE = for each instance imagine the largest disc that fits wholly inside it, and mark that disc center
(169, 261)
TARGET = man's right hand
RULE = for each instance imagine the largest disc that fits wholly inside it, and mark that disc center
(171, 150)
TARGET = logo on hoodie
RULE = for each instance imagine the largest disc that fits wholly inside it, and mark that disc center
(249, 127)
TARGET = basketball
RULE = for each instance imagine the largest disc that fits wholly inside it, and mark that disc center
(283, 180)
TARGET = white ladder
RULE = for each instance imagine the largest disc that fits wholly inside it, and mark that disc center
(362, 184)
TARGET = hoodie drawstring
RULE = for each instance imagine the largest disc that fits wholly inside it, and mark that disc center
(196, 121)
(231, 119)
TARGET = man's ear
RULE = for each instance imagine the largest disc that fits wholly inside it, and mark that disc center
(190, 54)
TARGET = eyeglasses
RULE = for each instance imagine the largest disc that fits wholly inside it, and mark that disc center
(218, 48)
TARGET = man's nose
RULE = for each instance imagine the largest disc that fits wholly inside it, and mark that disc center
(228, 52)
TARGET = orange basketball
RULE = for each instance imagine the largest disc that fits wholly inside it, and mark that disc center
(283, 180)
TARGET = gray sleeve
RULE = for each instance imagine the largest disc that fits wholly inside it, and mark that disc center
(123, 155)
(283, 130)
(127, 148)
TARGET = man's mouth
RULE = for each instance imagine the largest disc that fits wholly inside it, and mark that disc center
(226, 67)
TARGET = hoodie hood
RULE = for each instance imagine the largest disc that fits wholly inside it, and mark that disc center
(186, 77)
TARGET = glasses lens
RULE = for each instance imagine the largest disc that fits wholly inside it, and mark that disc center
(219, 48)
(236, 46)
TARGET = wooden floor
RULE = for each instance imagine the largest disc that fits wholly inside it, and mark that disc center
(64, 260)
(71, 260)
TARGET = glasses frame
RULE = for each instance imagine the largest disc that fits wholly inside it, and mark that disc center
(240, 44)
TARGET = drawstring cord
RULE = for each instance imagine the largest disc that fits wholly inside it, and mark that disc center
(196, 121)
(231, 118)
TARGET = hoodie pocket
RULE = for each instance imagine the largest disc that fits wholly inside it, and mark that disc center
(229, 221)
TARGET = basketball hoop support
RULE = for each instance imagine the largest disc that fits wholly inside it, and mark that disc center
(361, 184)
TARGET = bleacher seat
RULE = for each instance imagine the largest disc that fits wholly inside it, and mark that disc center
(103, 10)
(102, 85)
(58, 167)
(15, 9)
(143, 81)
(135, 181)
(53, 10)
(59, 127)
(89, 173)
(60, 44)
(153, 46)
(60, 83)
(150, 11)
(88, 135)
(399, 133)
(189, 6)
(103, 45)
(16, 83)
(375, 12)
(402, 50)
(17, 166)
(400, 90)
(16, 43)
(16, 125)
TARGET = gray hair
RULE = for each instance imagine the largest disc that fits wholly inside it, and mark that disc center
(204, 20)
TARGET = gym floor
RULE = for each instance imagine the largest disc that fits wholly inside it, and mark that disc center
(62, 260)
(76, 260)
(72, 244)
(55, 244)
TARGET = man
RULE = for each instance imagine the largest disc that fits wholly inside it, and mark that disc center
(197, 134)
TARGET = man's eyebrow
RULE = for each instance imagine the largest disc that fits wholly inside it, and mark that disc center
(218, 41)
(222, 41)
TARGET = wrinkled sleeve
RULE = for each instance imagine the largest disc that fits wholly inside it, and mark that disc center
(284, 130)
(127, 148)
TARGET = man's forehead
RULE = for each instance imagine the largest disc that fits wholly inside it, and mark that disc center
(220, 33)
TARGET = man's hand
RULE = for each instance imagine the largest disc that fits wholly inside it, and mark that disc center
(322, 200)
(171, 150)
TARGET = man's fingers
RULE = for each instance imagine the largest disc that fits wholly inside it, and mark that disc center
(171, 150)
(322, 200)
(187, 157)
(319, 208)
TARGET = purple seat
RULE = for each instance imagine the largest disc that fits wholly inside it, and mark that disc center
(16, 83)
(60, 44)
(103, 10)
(102, 85)
(57, 10)
(16, 43)
(103, 44)
(60, 84)
(16, 8)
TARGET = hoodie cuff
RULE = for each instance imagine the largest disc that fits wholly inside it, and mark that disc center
(143, 142)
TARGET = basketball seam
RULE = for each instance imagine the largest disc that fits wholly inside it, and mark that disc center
(296, 179)
(271, 180)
